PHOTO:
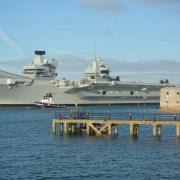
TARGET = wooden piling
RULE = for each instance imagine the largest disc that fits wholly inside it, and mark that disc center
(154, 129)
(61, 128)
(136, 130)
(72, 128)
(69, 128)
(54, 126)
(116, 129)
(65, 127)
(177, 130)
(159, 130)
(87, 129)
(109, 129)
(131, 129)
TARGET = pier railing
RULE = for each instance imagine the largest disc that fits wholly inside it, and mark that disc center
(120, 116)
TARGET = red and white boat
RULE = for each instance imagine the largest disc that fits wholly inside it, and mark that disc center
(47, 102)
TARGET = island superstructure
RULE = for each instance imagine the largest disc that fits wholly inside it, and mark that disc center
(96, 87)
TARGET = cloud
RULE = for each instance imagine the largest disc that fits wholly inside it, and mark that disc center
(104, 5)
(174, 33)
(162, 2)
(17, 63)
(146, 65)
(5, 38)
(168, 5)
(14, 66)
(146, 70)
(105, 32)
(70, 65)
(72, 62)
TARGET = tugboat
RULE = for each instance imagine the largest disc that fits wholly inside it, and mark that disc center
(46, 102)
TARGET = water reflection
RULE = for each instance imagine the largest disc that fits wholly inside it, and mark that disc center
(39, 154)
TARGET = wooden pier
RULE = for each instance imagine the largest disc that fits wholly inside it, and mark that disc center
(99, 124)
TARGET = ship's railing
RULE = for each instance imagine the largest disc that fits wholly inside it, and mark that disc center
(119, 116)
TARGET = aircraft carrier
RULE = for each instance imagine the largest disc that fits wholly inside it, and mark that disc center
(96, 87)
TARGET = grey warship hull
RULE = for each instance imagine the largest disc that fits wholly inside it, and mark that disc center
(97, 87)
(121, 93)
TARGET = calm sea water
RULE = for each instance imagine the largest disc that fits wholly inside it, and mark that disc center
(28, 149)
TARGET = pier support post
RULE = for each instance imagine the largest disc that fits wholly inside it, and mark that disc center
(109, 129)
(159, 130)
(177, 130)
(65, 128)
(54, 126)
(154, 129)
(116, 129)
(87, 129)
(72, 128)
(69, 127)
(131, 129)
(61, 128)
(134, 129)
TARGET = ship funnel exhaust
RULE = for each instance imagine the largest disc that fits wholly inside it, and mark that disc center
(40, 53)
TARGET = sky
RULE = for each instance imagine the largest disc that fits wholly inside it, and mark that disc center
(138, 39)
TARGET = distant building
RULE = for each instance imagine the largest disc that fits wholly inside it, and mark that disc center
(170, 99)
